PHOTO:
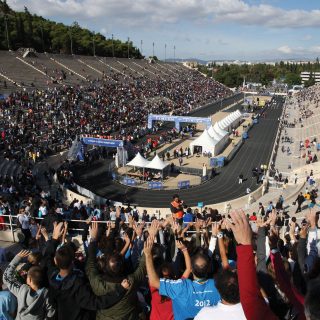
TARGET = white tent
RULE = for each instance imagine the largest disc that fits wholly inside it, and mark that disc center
(230, 121)
(156, 164)
(138, 161)
(222, 137)
(206, 142)
(217, 127)
(214, 134)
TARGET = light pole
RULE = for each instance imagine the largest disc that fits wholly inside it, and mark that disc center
(71, 44)
(128, 48)
(41, 30)
(94, 45)
(165, 52)
(112, 47)
(174, 53)
(141, 42)
(152, 49)
(7, 31)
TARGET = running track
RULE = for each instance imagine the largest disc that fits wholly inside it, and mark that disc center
(224, 187)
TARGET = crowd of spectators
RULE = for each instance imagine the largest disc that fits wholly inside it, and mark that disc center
(42, 122)
(119, 263)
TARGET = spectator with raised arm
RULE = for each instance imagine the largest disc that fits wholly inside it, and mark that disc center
(196, 293)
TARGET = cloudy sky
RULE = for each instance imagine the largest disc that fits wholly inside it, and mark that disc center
(204, 29)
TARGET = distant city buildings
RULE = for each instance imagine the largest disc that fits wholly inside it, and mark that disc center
(240, 62)
(305, 76)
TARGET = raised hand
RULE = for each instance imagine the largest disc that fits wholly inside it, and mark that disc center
(216, 227)
(23, 253)
(260, 222)
(94, 229)
(273, 218)
(139, 229)
(311, 218)
(125, 284)
(207, 223)
(57, 230)
(273, 239)
(240, 227)
(44, 232)
(108, 229)
(180, 245)
(148, 244)
(176, 228)
(154, 227)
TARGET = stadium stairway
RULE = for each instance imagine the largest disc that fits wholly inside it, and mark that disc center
(130, 67)
(21, 73)
(145, 70)
(9, 168)
(73, 151)
(68, 68)
(113, 68)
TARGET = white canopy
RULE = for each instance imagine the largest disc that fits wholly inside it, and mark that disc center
(156, 164)
(214, 134)
(206, 142)
(229, 121)
(138, 161)
(217, 127)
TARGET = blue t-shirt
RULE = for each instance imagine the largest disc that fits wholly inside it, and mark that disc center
(189, 297)
(188, 217)
(8, 305)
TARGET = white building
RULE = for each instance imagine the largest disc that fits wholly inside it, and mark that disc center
(305, 76)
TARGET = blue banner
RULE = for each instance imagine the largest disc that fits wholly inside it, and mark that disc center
(155, 185)
(220, 162)
(213, 162)
(103, 142)
(200, 205)
(129, 182)
(177, 120)
(184, 184)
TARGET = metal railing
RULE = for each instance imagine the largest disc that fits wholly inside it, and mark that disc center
(13, 226)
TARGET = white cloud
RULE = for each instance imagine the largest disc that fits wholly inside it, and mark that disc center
(103, 31)
(155, 12)
(285, 49)
(307, 37)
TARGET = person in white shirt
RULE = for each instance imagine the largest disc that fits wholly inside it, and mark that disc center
(25, 227)
(229, 307)
(113, 215)
(43, 209)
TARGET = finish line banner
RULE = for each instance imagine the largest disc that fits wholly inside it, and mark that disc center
(103, 142)
(177, 120)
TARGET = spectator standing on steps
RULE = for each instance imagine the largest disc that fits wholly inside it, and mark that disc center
(300, 199)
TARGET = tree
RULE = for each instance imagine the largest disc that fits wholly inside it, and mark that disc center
(292, 79)
(310, 82)
(27, 30)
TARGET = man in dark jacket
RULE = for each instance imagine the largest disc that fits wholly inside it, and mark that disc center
(300, 199)
(67, 286)
(128, 308)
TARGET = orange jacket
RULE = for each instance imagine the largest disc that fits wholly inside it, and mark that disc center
(176, 209)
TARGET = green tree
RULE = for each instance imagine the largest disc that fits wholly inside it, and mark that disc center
(310, 82)
(292, 79)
